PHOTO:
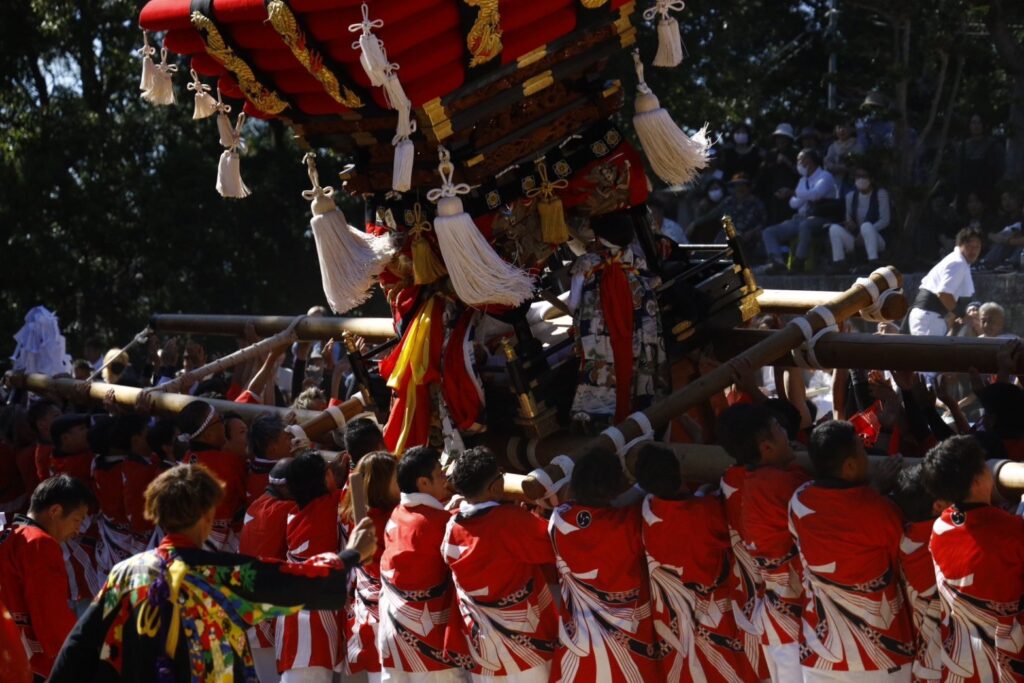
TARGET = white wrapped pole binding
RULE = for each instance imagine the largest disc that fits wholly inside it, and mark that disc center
(478, 275)
(350, 259)
(670, 43)
(674, 156)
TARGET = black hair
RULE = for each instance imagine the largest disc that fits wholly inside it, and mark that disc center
(214, 387)
(965, 235)
(657, 471)
(36, 411)
(305, 477)
(597, 477)
(63, 490)
(911, 496)
(262, 431)
(787, 415)
(192, 417)
(362, 436)
(124, 429)
(616, 227)
(161, 434)
(99, 434)
(474, 471)
(415, 463)
(949, 469)
(831, 444)
(741, 429)
(278, 479)
(812, 154)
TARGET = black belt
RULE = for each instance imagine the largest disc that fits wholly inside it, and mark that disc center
(929, 301)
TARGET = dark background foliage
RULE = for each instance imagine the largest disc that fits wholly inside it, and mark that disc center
(108, 211)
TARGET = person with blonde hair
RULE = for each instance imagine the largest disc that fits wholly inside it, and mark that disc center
(380, 488)
(179, 612)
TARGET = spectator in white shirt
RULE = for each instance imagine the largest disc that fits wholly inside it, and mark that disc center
(867, 214)
(815, 184)
(944, 284)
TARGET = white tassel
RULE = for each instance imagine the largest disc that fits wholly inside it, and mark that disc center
(162, 91)
(224, 129)
(205, 104)
(148, 67)
(229, 170)
(371, 49)
(478, 275)
(405, 151)
(670, 43)
(350, 259)
(675, 157)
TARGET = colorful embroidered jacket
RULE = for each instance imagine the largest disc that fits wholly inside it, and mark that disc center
(179, 613)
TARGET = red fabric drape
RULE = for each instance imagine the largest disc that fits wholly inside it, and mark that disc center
(617, 304)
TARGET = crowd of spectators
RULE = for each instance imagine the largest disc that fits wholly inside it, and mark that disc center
(807, 200)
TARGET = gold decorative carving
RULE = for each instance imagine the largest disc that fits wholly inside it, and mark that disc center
(484, 38)
(284, 22)
(593, 4)
(262, 97)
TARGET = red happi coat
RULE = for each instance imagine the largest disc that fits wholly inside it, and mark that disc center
(136, 475)
(765, 529)
(692, 586)
(978, 551)
(749, 586)
(606, 632)
(855, 617)
(257, 477)
(230, 469)
(34, 587)
(312, 638)
(918, 575)
(362, 644)
(417, 598)
(508, 617)
(115, 542)
(264, 535)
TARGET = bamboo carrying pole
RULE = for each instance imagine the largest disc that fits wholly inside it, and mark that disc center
(312, 327)
(798, 302)
(778, 343)
(884, 352)
(314, 424)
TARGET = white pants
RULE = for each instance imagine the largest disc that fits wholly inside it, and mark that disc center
(538, 674)
(446, 676)
(901, 675)
(926, 323)
(843, 241)
(783, 663)
(309, 674)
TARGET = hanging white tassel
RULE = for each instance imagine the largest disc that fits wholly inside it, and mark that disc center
(670, 43)
(405, 151)
(229, 170)
(478, 275)
(148, 67)
(371, 49)
(205, 104)
(162, 91)
(350, 259)
(224, 129)
(674, 156)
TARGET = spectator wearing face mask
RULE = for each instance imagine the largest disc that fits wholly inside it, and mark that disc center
(744, 156)
(706, 222)
(816, 186)
(867, 214)
(778, 174)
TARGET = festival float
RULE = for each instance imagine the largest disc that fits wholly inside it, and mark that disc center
(533, 309)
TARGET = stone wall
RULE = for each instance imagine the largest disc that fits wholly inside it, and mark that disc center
(1005, 289)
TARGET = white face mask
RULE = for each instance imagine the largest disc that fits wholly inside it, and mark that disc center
(862, 184)
(714, 195)
(802, 170)
(740, 138)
